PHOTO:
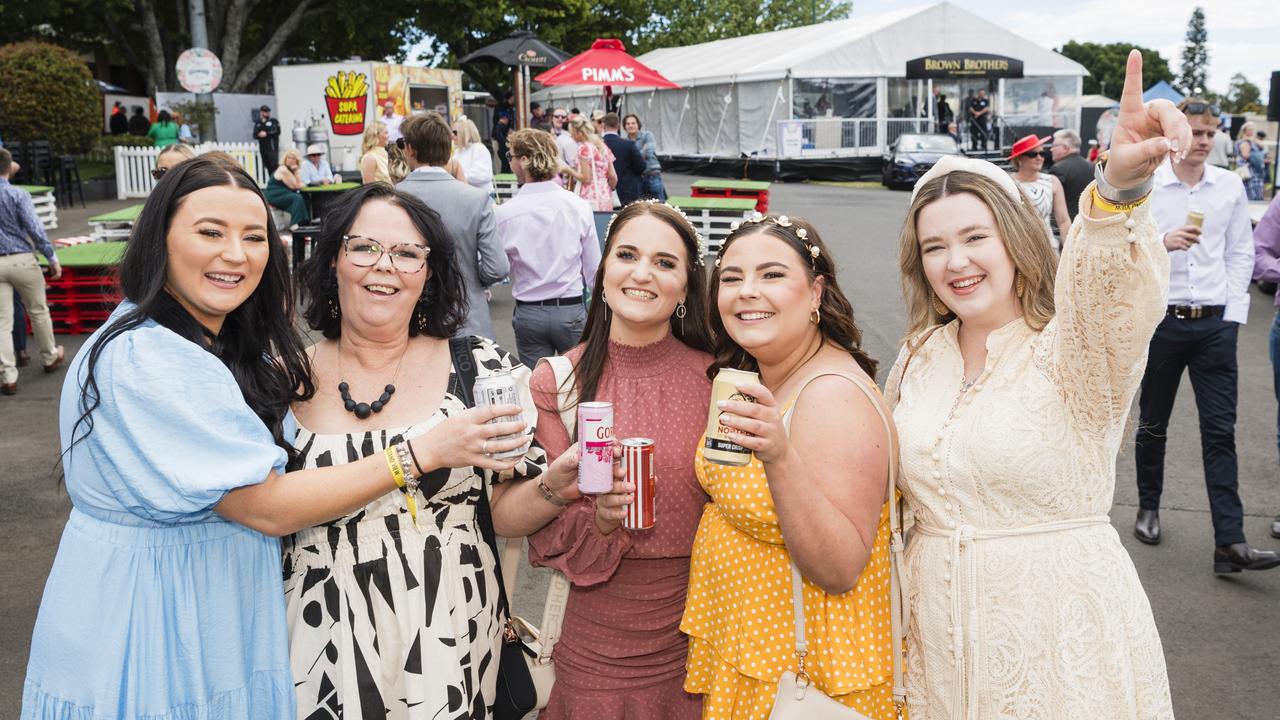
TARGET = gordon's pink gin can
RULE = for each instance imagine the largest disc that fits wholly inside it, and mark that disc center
(595, 432)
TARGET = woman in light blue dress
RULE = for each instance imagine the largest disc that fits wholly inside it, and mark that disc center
(165, 599)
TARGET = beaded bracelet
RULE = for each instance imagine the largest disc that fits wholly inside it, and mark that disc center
(410, 480)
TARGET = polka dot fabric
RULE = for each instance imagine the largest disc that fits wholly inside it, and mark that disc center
(739, 616)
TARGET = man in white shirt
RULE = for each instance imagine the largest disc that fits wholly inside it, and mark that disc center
(392, 121)
(315, 170)
(564, 139)
(1202, 215)
(1220, 155)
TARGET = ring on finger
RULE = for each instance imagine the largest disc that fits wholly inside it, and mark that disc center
(484, 447)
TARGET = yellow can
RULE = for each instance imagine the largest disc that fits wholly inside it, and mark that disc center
(717, 447)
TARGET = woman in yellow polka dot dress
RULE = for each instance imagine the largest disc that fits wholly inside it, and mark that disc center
(816, 497)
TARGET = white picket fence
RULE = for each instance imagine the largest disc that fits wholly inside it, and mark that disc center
(134, 165)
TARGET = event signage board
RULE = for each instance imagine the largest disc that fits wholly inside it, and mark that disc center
(963, 65)
(199, 71)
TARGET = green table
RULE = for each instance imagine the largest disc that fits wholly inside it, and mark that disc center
(714, 216)
(98, 254)
(335, 187)
(45, 203)
(504, 186)
(114, 225)
(751, 189)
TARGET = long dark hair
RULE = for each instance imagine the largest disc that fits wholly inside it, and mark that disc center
(258, 342)
(835, 313)
(693, 330)
(442, 307)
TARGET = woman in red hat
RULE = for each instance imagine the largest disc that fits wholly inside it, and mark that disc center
(1044, 189)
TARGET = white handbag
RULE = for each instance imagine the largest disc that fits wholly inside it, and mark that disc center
(797, 698)
(540, 642)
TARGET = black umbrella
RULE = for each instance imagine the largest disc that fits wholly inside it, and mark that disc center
(521, 48)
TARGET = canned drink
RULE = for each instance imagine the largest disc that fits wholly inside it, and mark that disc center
(638, 458)
(718, 448)
(1195, 218)
(499, 389)
(595, 432)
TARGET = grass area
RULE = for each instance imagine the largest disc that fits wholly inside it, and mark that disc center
(847, 183)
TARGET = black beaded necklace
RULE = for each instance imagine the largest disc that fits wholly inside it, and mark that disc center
(364, 410)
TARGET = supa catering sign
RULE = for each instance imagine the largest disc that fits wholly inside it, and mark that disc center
(346, 96)
(964, 65)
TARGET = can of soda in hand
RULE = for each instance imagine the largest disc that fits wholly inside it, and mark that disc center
(718, 448)
(595, 432)
(638, 459)
(499, 389)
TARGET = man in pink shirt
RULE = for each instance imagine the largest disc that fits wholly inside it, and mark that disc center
(549, 235)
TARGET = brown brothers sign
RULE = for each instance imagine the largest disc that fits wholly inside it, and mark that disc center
(964, 65)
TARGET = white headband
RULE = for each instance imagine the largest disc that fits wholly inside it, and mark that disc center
(952, 163)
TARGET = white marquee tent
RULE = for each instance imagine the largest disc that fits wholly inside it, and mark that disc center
(733, 92)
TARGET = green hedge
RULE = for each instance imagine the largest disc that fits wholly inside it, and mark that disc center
(47, 93)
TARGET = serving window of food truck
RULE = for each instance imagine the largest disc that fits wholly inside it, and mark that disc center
(429, 97)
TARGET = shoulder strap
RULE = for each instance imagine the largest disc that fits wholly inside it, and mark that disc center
(566, 391)
(464, 362)
(897, 589)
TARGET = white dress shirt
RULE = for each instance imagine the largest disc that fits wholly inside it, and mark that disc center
(393, 126)
(1216, 270)
(550, 238)
(312, 174)
(477, 163)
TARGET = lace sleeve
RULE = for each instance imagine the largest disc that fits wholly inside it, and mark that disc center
(1112, 292)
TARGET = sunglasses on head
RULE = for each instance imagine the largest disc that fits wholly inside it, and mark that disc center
(1200, 108)
(400, 143)
(158, 173)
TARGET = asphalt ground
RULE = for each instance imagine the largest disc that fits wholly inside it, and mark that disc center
(1220, 634)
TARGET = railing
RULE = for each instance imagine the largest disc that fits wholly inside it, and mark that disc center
(134, 165)
(825, 137)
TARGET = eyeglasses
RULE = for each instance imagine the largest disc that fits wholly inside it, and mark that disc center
(513, 156)
(1199, 108)
(158, 173)
(560, 117)
(363, 251)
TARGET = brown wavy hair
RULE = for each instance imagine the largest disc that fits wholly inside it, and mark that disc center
(694, 330)
(1025, 239)
(836, 323)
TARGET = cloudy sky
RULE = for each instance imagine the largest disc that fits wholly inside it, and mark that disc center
(1244, 35)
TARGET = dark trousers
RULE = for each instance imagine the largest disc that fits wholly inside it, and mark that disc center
(1207, 348)
(1275, 369)
(19, 324)
(543, 330)
(270, 152)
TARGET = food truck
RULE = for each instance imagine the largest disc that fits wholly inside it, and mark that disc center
(332, 103)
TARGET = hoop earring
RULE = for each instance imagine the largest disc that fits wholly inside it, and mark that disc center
(1019, 284)
(815, 317)
(940, 307)
(681, 311)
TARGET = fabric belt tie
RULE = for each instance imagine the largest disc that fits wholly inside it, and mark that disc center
(964, 642)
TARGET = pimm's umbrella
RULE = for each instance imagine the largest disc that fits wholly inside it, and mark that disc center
(606, 63)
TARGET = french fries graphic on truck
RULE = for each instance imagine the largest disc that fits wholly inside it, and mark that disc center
(347, 97)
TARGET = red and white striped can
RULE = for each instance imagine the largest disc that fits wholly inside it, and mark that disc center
(638, 459)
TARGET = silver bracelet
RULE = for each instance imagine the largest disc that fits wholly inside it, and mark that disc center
(406, 462)
(1119, 195)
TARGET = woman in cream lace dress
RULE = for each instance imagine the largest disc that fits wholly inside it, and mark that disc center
(1023, 602)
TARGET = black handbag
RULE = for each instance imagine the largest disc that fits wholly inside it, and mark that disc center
(516, 694)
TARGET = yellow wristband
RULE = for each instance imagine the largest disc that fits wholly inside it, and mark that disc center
(393, 462)
(1116, 207)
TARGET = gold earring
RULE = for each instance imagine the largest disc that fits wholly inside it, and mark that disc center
(939, 307)
(1019, 284)
(815, 317)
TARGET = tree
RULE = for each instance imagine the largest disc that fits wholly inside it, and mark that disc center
(48, 94)
(1242, 96)
(1195, 56)
(1106, 65)
(678, 22)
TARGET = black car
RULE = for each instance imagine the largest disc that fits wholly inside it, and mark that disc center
(911, 156)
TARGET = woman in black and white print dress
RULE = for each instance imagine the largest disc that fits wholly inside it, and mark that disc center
(393, 609)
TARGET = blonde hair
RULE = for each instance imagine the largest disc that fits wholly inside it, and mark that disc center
(539, 149)
(181, 148)
(1247, 128)
(1023, 233)
(468, 133)
(291, 153)
(370, 139)
(584, 126)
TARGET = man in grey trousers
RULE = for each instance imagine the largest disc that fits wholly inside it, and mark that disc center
(465, 211)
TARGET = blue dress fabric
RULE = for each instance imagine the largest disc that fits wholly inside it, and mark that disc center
(156, 607)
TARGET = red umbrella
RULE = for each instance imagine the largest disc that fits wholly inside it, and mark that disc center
(606, 63)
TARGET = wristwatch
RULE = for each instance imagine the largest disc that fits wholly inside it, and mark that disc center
(549, 495)
(1116, 194)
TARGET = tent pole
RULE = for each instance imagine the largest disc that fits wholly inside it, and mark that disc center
(724, 110)
(769, 123)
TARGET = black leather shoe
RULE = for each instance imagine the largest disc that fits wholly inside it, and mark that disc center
(1275, 527)
(1240, 556)
(1147, 527)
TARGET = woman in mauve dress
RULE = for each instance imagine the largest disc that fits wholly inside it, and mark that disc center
(646, 350)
